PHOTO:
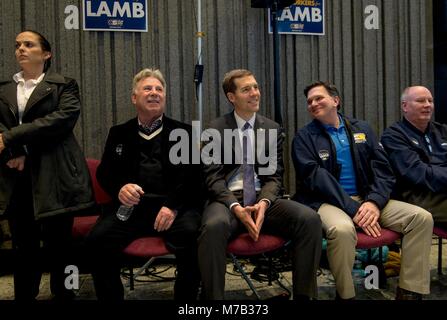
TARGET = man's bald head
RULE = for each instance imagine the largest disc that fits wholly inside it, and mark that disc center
(417, 106)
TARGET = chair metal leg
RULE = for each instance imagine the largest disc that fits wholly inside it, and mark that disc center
(244, 275)
(270, 275)
(131, 282)
(382, 274)
(439, 255)
(380, 255)
(133, 276)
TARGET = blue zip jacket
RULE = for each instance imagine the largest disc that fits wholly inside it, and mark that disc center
(317, 172)
(416, 167)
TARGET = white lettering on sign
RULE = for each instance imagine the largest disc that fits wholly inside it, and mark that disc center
(301, 14)
(118, 10)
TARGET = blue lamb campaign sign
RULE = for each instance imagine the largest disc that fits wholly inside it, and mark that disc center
(115, 15)
(303, 17)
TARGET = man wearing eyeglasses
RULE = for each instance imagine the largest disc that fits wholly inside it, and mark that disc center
(417, 148)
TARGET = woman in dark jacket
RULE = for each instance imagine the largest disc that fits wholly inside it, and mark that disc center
(43, 174)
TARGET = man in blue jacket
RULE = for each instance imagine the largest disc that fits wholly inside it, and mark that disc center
(344, 174)
(417, 148)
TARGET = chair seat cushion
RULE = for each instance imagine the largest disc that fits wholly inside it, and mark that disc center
(147, 247)
(83, 225)
(243, 245)
(367, 242)
(440, 232)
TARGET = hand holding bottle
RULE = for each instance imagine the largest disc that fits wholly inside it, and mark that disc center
(130, 194)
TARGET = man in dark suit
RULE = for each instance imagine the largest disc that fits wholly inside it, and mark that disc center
(136, 170)
(245, 192)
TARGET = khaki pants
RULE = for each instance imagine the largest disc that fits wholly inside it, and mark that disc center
(435, 203)
(416, 225)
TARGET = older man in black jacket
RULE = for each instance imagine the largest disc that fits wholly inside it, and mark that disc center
(344, 173)
(137, 171)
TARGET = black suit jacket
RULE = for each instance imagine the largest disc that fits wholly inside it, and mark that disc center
(121, 159)
(218, 175)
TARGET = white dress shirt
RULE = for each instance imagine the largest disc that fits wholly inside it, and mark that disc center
(24, 90)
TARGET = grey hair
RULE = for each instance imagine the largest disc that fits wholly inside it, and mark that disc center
(404, 95)
(148, 73)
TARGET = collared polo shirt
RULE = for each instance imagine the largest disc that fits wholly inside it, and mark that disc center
(344, 158)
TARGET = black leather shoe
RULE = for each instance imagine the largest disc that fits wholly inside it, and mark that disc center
(402, 294)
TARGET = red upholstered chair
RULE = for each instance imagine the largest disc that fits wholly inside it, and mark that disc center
(367, 242)
(364, 241)
(441, 234)
(146, 247)
(243, 245)
(83, 224)
(101, 196)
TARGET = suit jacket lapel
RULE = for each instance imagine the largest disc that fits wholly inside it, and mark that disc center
(259, 128)
(259, 122)
(165, 143)
(131, 140)
(42, 90)
(230, 123)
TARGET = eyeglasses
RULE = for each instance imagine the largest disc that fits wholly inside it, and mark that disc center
(427, 139)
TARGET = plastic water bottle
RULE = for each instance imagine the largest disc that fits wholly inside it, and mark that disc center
(123, 213)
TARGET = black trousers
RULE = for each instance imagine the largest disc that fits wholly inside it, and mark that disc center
(30, 257)
(285, 218)
(108, 238)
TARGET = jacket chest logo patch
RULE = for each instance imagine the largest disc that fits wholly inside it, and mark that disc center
(415, 141)
(359, 137)
(323, 154)
(119, 149)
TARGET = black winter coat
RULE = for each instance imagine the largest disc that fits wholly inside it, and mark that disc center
(59, 174)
